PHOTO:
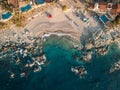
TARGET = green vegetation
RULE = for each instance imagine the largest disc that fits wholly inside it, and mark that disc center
(64, 8)
(27, 1)
(6, 6)
(19, 20)
(116, 22)
(3, 25)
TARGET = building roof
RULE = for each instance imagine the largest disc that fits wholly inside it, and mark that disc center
(109, 5)
(103, 5)
(114, 6)
(14, 3)
(115, 9)
(91, 6)
(118, 8)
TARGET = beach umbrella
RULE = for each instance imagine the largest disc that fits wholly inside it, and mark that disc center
(50, 16)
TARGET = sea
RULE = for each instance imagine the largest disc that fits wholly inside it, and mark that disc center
(57, 75)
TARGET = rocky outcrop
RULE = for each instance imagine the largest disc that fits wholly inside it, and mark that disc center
(101, 38)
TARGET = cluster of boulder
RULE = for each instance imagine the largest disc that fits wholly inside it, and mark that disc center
(101, 38)
(26, 56)
(100, 41)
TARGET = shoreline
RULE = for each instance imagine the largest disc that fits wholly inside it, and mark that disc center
(89, 35)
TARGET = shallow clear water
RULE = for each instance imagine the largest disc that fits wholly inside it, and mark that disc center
(58, 76)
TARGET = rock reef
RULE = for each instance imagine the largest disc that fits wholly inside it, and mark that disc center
(26, 54)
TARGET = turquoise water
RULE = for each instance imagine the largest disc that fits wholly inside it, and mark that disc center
(25, 8)
(40, 1)
(58, 76)
(6, 15)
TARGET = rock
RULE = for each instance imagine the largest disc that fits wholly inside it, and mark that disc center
(12, 75)
(36, 69)
(32, 64)
(44, 57)
(79, 70)
(26, 31)
(89, 46)
(24, 55)
(22, 74)
(115, 67)
(21, 51)
(87, 57)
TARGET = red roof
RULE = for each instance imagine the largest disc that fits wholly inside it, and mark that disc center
(103, 6)
(115, 9)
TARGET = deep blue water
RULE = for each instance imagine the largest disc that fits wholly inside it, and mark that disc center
(58, 76)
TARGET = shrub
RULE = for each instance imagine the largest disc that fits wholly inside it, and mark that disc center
(19, 20)
(64, 8)
(116, 21)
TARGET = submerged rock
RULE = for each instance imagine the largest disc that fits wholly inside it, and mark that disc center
(22, 74)
(26, 55)
(103, 50)
(115, 67)
(88, 56)
(37, 69)
(12, 75)
(79, 70)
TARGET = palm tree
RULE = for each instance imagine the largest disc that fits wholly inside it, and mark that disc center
(19, 20)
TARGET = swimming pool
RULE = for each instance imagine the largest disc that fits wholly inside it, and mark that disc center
(104, 18)
(40, 1)
(25, 8)
(6, 15)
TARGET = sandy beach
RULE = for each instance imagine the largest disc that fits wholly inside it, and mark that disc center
(59, 24)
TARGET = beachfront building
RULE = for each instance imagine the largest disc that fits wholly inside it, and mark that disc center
(17, 3)
(115, 9)
(14, 3)
(20, 5)
(104, 7)
(109, 9)
(106, 11)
